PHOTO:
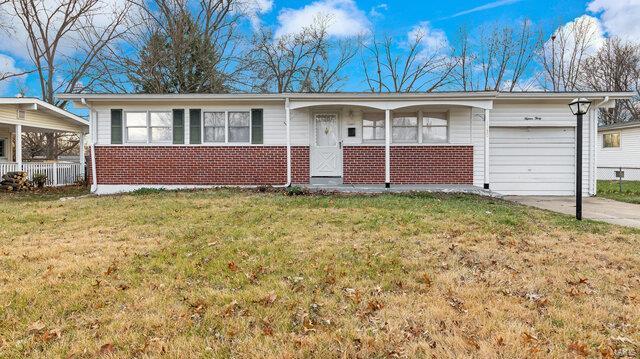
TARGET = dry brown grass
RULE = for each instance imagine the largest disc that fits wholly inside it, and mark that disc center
(242, 274)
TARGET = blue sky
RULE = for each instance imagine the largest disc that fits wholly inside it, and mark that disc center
(394, 18)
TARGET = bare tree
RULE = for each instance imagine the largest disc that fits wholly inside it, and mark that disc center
(308, 61)
(413, 67)
(64, 39)
(615, 67)
(497, 59)
(563, 55)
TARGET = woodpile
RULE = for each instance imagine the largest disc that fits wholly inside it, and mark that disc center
(15, 181)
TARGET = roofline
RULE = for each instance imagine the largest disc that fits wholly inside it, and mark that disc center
(620, 126)
(40, 103)
(489, 95)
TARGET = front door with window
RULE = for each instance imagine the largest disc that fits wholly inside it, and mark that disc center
(326, 146)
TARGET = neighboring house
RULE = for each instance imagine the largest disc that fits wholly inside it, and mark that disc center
(619, 146)
(512, 143)
(20, 115)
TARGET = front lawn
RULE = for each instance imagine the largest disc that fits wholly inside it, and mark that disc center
(229, 273)
(611, 189)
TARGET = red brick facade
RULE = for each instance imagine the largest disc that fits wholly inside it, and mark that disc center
(200, 165)
(267, 165)
(409, 164)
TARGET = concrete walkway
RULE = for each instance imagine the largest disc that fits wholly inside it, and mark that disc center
(599, 209)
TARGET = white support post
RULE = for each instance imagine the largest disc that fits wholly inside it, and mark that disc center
(487, 122)
(288, 124)
(19, 147)
(54, 175)
(82, 160)
(387, 149)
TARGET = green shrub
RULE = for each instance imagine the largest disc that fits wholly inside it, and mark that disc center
(39, 179)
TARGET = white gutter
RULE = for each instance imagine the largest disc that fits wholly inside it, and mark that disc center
(92, 146)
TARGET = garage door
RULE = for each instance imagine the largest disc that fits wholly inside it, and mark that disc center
(532, 160)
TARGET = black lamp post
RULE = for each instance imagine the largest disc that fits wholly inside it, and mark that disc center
(579, 107)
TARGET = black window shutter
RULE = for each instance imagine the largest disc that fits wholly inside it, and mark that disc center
(194, 126)
(116, 127)
(178, 127)
(257, 126)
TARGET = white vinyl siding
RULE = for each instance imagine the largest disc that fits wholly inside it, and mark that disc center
(627, 155)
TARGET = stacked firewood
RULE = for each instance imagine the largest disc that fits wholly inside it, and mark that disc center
(15, 181)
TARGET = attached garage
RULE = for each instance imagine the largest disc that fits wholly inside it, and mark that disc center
(532, 160)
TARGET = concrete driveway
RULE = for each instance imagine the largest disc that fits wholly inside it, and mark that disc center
(599, 209)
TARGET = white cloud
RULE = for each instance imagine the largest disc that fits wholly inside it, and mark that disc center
(254, 8)
(619, 17)
(586, 27)
(8, 66)
(347, 20)
(377, 10)
(431, 40)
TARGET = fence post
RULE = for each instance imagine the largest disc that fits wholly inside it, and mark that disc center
(620, 178)
(55, 173)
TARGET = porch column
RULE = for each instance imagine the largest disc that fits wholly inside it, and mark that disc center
(19, 147)
(487, 121)
(387, 148)
(82, 160)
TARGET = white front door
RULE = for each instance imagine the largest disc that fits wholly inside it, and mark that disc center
(326, 147)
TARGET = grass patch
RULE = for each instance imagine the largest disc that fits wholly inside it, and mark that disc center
(611, 189)
(232, 273)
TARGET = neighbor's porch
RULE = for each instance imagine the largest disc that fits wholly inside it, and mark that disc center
(61, 171)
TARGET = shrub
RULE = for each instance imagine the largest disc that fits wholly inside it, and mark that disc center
(296, 191)
(39, 179)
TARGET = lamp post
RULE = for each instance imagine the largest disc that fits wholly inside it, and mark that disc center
(579, 107)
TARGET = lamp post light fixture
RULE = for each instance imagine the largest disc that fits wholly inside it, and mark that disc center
(579, 107)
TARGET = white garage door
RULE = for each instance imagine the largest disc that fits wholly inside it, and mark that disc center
(532, 160)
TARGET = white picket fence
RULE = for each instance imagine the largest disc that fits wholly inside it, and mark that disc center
(58, 174)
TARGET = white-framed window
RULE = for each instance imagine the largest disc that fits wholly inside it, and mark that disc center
(435, 127)
(611, 140)
(161, 126)
(404, 128)
(136, 126)
(214, 127)
(239, 127)
(373, 127)
(3, 152)
(226, 127)
(149, 126)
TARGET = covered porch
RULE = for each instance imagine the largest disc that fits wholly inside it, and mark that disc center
(364, 143)
(31, 119)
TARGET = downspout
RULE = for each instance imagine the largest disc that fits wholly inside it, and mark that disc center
(593, 147)
(92, 146)
(287, 107)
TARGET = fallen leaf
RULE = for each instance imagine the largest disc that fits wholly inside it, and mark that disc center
(230, 309)
(426, 279)
(232, 266)
(36, 327)
(579, 348)
(50, 335)
(529, 337)
(500, 341)
(107, 349)
(111, 269)
(269, 299)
